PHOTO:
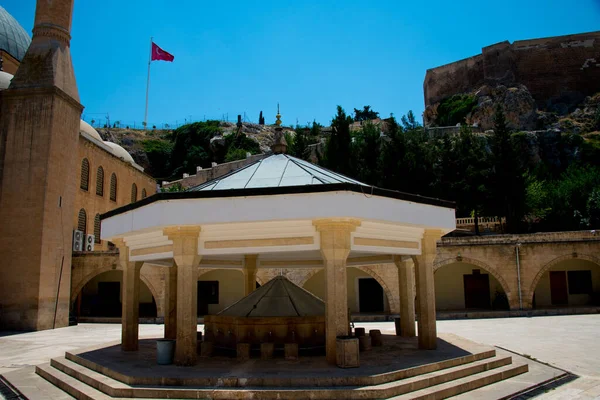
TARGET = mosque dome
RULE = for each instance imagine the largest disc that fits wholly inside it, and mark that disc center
(120, 152)
(5, 79)
(87, 128)
(13, 38)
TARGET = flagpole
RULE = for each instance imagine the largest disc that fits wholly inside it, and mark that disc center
(148, 85)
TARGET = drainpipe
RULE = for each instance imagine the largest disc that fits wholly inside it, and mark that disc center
(519, 276)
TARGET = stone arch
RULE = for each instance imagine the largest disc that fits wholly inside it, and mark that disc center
(393, 302)
(309, 275)
(507, 288)
(554, 262)
(75, 290)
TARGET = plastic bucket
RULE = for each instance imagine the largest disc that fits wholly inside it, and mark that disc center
(165, 350)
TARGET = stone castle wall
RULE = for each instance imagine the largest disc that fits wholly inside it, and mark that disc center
(556, 70)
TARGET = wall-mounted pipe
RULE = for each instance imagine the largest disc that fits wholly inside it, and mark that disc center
(519, 275)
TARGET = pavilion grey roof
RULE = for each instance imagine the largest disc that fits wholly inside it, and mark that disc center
(278, 170)
(277, 298)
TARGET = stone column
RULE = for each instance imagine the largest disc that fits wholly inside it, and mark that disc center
(250, 263)
(185, 255)
(335, 248)
(171, 302)
(426, 290)
(406, 280)
(130, 298)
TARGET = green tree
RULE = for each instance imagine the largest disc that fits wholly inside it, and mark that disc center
(536, 201)
(338, 155)
(191, 147)
(408, 159)
(366, 149)
(159, 155)
(299, 146)
(366, 114)
(507, 181)
(469, 186)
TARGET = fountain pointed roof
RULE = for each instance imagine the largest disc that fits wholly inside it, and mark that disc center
(277, 298)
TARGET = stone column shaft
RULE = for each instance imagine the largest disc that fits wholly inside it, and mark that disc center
(185, 255)
(171, 302)
(250, 264)
(130, 298)
(426, 290)
(336, 243)
(406, 281)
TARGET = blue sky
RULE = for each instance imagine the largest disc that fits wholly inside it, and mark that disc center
(235, 57)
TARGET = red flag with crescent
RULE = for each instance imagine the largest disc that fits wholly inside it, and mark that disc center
(159, 54)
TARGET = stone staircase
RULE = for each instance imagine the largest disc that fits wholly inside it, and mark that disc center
(85, 380)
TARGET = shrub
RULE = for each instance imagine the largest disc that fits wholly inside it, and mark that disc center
(455, 109)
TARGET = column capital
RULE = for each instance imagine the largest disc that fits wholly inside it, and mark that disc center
(182, 231)
(432, 234)
(250, 261)
(119, 243)
(400, 259)
(123, 251)
(336, 224)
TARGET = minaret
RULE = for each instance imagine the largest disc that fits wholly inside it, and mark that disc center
(39, 130)
(279, 144)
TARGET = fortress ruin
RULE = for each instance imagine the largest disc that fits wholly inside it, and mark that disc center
(558, 71)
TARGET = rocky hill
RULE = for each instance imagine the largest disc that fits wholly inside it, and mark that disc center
(136, 141)
(477, 108)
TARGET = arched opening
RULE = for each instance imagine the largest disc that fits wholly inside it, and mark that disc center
(218, 289)
(144, 194)
(133, 193)
(113, 187)
(100, 181)
(465, 286)
(101, 297)
(568, 283)
(365, 293)
(85, 174)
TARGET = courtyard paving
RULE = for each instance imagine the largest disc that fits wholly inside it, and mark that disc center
(567, 342)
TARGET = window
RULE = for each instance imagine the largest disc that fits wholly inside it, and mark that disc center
(208, 291)
(100, 181)
(82, 221)
(113, 187)
(580, 282)
(133, 193)
(144, 194)
(85, 174)
(97, 228)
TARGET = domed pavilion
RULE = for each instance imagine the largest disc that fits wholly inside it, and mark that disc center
(283, 212)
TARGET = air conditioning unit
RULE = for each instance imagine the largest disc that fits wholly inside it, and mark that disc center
(89, 242)
(77, 240)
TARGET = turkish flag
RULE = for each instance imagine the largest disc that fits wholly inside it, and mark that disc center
(159, 54)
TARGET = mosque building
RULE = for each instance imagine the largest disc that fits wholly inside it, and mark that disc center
(106, 177)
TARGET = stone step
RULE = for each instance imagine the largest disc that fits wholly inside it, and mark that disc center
(81, 378)
(326, 380)
(466, 384)
(32, 386)
(72, 386)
